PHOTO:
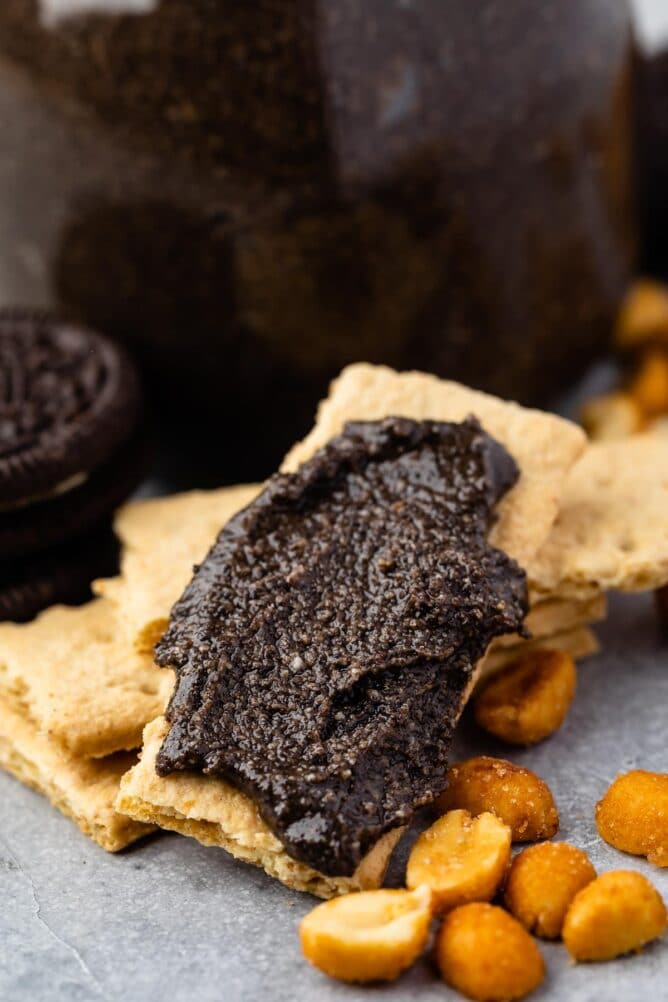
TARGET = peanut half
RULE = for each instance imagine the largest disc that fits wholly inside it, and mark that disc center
(529, 700)
(516, 795)
(618, 912)
(460, 858)
(633, 815)
(368, 936)
(483, 952)
(542, 882)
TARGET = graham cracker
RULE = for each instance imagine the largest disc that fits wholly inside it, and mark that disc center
(218, 814)
(162, 539)
(579, 643)
(543, 445)
(555, 616)
(612, 529)
(82, 789)
(83, 686)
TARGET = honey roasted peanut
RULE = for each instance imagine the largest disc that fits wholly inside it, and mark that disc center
(368, 936)
(516, 795)
(542, 882)
(529, 700)
(643, 317)
(649, 385)
(486, 954)
(617, 913)
(460, 859)
(633, 815)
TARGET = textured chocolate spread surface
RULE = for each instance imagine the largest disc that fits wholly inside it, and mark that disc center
(324, 648)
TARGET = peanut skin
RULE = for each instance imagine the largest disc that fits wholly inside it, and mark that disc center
(529, 699)
(486, 954)
(617, 913)
(542, 881)
(516, 795)
(633, 815)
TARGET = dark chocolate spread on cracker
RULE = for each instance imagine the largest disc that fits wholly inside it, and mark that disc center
(325, 647)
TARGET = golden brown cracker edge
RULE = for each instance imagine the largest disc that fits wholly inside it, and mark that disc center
(162, 539)
(83, 685)
(612, 530)
(84, 790)
(218, 814)
(579, 643)
(557, 616)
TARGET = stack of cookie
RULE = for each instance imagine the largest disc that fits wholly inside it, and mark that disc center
(78, 686)
(69, 455)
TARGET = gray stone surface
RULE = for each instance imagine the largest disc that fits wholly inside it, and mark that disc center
(175, 921)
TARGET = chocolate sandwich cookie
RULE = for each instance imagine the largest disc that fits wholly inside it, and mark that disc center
(67, 516)
(69, 398)
(62, 575)
(327, 644)
(69, 449)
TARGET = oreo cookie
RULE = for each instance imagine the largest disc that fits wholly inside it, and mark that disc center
(71, 452)
(69, 398)
(68, 515)
(61, 575)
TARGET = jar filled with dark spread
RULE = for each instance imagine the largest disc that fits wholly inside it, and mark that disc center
(653, 157)
(253, 195)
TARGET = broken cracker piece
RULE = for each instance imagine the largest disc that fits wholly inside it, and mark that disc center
(612, 529)
(82, 685)
(81, 789)
(544, 446)
(218, 814)
(162, 539)
(552, 616)
(579, 643)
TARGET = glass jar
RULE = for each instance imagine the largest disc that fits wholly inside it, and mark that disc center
(254, 194)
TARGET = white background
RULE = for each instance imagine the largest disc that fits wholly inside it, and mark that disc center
(652, 14)
(653, 20)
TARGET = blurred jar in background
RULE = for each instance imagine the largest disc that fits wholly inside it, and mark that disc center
(652, 89)
(253, 195)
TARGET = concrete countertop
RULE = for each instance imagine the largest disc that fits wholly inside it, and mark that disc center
(171, 920)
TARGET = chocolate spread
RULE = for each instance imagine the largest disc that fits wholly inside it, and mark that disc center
(325, 647)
